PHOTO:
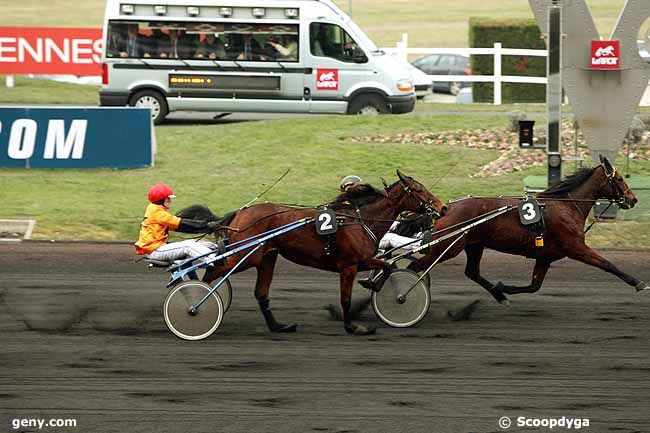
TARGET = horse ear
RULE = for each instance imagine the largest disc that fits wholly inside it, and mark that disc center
(401, 176)
(383, 181)
(609, 168)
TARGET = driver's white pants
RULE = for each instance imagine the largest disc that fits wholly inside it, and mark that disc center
(184, 249)
(393, 240)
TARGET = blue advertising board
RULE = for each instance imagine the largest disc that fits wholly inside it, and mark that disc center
(76, 137)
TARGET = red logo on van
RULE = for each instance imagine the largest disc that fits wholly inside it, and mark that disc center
(605, 54)
(327, 79)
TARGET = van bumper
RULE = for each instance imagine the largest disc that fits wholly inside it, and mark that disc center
(113, 99)
(402, 104)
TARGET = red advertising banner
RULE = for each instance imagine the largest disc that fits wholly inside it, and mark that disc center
(50, 50)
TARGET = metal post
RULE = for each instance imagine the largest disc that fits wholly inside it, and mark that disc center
(497, 73)
(10, 81)
(350, 8)
(554, 93)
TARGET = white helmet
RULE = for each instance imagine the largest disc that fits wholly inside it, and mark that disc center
(349, 180)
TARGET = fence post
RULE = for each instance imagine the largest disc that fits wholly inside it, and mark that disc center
(402, 45)
(10, 81)
(497, 73)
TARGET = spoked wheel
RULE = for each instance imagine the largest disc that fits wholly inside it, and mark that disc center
(225, 293)
(405, 262)
(192, 325)
(394, 306)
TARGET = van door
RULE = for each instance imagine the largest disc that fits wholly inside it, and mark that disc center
(337, 64)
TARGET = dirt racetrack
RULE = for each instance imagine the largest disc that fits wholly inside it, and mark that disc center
(82, 337)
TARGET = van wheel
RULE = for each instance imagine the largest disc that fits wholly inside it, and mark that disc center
(154, 101)
(368, 105)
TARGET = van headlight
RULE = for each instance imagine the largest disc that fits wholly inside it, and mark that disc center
(405, 85)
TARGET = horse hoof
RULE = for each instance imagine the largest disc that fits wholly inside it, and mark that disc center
(360, 330)
(285, 328)
(642, 286)
(505, 302)
(335, 311)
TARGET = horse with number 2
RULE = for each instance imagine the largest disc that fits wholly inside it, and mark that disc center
(340, 236)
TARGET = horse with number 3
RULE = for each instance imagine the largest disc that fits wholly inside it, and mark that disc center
(367, 214)
(565, 205)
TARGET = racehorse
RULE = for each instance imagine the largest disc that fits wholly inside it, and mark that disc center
(566, 207)
(367, 214)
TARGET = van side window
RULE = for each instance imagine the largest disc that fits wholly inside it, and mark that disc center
(330, 40)
(203, 41)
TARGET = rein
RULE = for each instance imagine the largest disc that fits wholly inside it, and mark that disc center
(518, 197)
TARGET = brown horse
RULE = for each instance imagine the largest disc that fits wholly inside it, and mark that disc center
(566, 206)
(367, 213)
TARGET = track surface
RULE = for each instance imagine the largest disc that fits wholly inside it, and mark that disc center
(82, 336)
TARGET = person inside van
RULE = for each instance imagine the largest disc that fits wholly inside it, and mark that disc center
(158, 43)
(134, 44)
(286, 47)
(181, 45)
(211, 48)
(249, 49)
(116, 37)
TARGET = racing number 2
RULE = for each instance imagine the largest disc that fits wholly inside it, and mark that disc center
(326, 222)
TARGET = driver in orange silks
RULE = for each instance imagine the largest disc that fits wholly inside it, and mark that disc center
(154, 230)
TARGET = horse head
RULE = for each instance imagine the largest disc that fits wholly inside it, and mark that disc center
(415, 197)
(616, 189)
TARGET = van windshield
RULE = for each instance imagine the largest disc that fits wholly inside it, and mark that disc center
(203, 41)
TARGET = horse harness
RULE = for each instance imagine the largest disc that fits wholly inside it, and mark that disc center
(531, 215)
(330, 239)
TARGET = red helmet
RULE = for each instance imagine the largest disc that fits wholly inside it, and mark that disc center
(160, 191)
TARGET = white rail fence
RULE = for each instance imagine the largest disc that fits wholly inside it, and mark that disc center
(402, 51)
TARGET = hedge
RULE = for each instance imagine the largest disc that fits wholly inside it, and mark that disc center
(512, 33)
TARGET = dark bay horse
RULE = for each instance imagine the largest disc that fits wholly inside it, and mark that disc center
(367, 212)
(566, 207)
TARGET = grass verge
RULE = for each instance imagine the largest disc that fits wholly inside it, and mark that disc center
(224, 166)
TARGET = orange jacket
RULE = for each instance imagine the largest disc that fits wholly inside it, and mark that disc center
(154, 229)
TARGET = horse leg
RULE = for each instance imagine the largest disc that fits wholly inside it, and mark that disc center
(347, 276)
(586, 255)
(473, 272)
(264, 278)
(541, 267)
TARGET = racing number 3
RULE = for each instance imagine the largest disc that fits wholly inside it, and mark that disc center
(326, 222)
(529, 212)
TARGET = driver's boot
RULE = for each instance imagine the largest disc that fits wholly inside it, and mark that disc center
(373, 282)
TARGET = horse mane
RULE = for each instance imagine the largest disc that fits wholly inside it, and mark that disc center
(570, 183)
(357, 196)
(197, 212)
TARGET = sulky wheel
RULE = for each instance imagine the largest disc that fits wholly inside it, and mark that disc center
(185, 324)
(394, 306)
(405, 262)
(225, 293)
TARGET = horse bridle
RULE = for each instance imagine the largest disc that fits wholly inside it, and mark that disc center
(426, 205)
(620, 194)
